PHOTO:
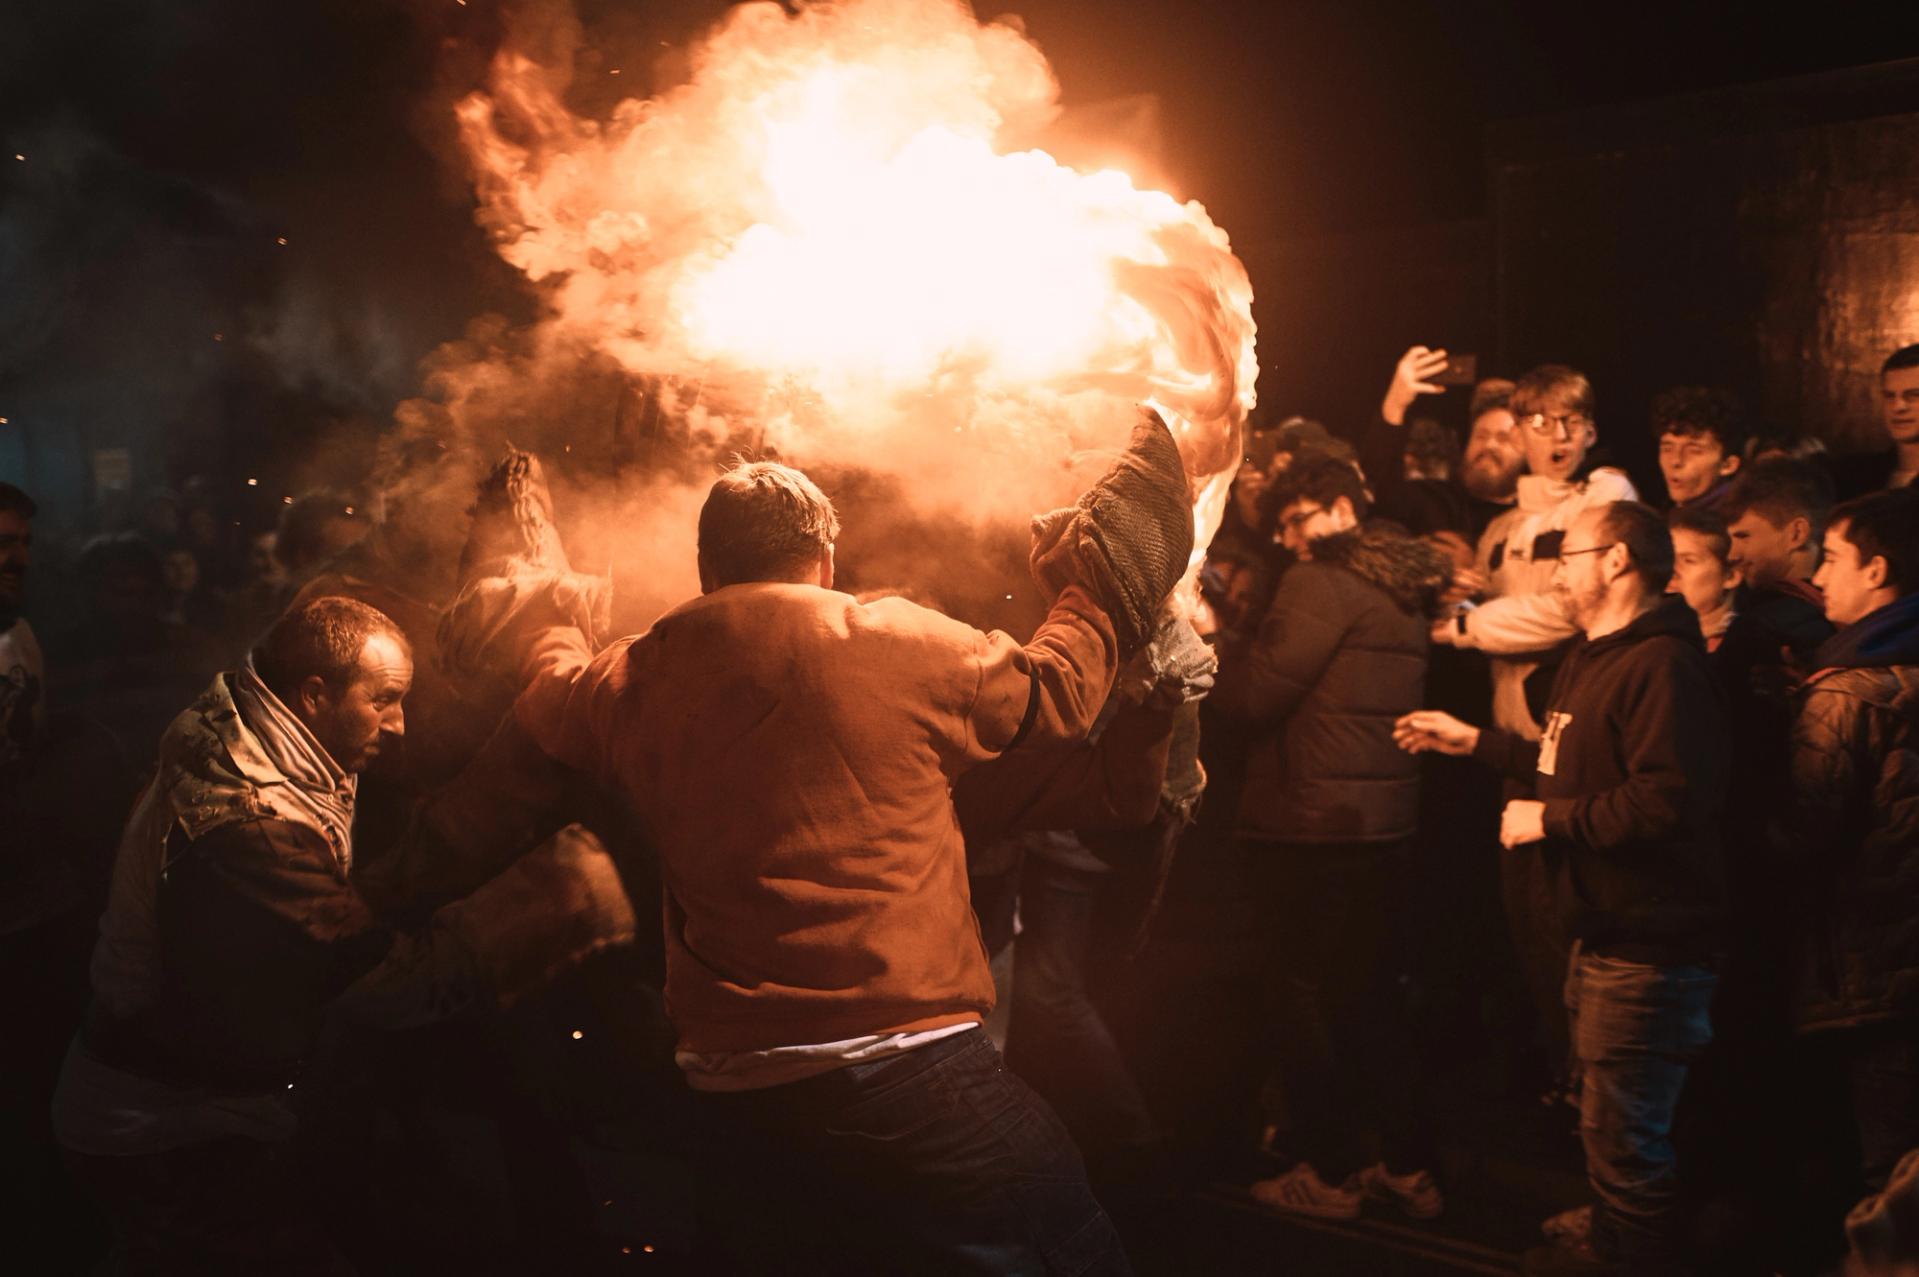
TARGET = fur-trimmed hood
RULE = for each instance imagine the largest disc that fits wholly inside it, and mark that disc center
(1414, 573)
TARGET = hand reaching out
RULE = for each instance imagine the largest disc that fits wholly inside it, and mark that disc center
(1412, 377)
(1432, 729)
(1467, 584)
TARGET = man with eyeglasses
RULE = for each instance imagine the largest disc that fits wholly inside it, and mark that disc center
(1326, 819)
(1626, 788)
(1523, 624)
(1523, 618)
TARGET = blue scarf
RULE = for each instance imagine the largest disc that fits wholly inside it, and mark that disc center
(1887, 636)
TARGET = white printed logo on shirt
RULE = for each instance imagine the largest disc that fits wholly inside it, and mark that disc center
(1556, 723)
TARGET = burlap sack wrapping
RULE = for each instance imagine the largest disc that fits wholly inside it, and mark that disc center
(512, 521)
(470, 828)
(549, 909)
(485, 631)
(515, 577)
(546, 911)
(1128, 539)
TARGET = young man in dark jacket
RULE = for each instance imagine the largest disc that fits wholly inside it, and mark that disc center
(1853, 836)
(1326, 818)
(1774, 514)
(1628, 782)
(1701, 433)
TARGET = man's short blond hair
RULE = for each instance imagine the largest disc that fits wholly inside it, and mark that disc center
(1549, 386)
(763, 521)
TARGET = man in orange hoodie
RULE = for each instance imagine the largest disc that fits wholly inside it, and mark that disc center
(790, 753)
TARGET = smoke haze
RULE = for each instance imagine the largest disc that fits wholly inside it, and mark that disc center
(810, 234)
(816, 247)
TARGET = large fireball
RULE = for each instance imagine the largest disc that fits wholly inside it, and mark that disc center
(820, 240)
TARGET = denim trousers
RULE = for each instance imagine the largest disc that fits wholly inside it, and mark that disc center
(1337, 927)
(1636, 1031)
(1057, 1040)
(936, 1160)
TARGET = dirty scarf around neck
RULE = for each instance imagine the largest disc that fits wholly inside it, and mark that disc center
(316, 785)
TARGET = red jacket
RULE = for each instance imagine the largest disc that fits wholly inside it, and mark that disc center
(791, 753)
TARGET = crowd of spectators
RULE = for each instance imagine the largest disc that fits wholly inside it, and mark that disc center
(1613, 797)
(1698, 702)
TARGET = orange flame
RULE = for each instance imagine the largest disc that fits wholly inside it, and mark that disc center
(821, 231)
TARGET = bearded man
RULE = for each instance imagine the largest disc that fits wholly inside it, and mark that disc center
(1490, 466)
(1627, 784)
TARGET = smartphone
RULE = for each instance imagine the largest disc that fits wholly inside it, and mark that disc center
(1461, 370)
(1260, 446)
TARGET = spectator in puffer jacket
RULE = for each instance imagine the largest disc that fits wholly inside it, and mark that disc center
(1853, 834)
(1326, 821)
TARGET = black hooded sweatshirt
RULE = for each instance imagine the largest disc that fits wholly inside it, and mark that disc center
(1632, 768)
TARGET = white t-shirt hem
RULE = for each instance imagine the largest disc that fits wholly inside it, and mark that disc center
(775, 1066)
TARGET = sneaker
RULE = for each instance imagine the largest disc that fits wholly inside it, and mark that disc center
(1414, 1195)
(1301, 1191)
(1569, 1225)
(1566, 1259)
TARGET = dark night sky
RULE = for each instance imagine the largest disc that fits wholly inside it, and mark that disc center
(1286, 116)
(171, 141)
(1318, 116)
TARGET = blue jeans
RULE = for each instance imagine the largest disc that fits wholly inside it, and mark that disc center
(1057, 1040)
(937, 1160)
(1636, 1030)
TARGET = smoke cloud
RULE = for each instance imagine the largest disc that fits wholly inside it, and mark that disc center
(818, 246)
(828, 233)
